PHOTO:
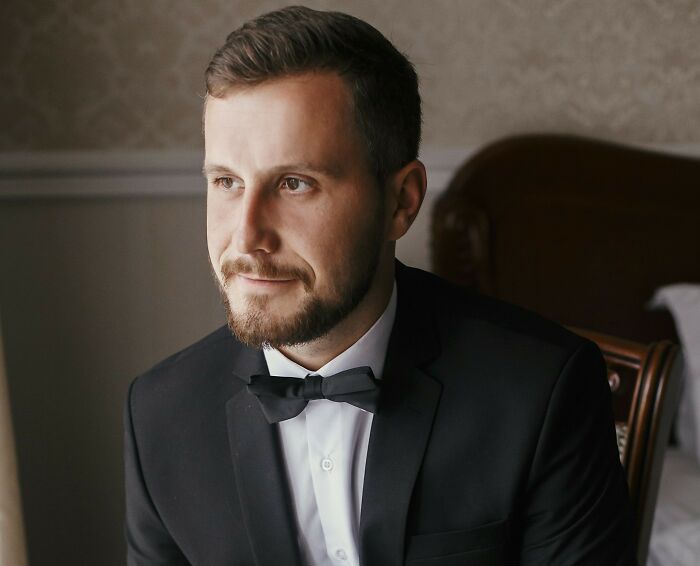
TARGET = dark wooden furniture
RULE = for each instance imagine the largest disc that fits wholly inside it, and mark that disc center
(583, 232)
(578, 230)
(646, 387)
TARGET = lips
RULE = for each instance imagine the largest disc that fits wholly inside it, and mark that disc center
(256, 279)
(255, 272)
(261, 284)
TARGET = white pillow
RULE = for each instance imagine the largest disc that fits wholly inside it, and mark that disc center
(683, 301)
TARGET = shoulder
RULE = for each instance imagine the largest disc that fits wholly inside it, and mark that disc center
(459, 312)
(501, 360)
(200, 371)
(490, 348)
(218, 341)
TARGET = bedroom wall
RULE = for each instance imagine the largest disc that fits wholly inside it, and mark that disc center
(103, 74)
(100, 281)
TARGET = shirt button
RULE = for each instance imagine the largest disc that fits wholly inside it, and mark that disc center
(340, 554)
(326, 464)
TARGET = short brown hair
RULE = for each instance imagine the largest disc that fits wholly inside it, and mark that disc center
(297, 39)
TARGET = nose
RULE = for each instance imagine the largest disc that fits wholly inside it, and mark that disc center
(255, 230)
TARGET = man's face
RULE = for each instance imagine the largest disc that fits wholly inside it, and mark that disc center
(295, 221)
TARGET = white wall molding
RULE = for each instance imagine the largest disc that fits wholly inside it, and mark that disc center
(75, 174)
(92, 173)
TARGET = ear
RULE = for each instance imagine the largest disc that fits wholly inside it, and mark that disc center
(406, 191)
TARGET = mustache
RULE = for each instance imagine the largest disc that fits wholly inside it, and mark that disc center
(264, 270)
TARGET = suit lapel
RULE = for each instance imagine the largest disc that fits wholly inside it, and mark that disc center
(400, 430)
(260, 477)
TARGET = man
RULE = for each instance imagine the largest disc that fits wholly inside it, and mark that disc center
(444, 428)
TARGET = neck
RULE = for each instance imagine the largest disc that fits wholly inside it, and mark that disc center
(317, 353)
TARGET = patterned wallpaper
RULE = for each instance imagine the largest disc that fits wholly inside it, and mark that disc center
(127, 74)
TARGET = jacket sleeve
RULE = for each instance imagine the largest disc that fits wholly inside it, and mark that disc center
(148, 541)
(577, 509)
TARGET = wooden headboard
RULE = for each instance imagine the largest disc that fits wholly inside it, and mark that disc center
(579, 230)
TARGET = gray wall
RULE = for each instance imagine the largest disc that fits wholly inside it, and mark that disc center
(92, 293)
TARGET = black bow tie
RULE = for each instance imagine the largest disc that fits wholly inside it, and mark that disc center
(283, 398)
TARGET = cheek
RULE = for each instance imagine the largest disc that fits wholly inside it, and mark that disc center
(334, 242)
(218, 234)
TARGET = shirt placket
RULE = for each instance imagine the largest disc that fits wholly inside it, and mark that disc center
(331, 476)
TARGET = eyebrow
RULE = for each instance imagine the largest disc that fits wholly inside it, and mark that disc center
(212, 169)
(328, 171)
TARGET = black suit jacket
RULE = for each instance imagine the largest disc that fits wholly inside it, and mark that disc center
(494, 445)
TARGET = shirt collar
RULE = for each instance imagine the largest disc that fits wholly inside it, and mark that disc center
(369, 350)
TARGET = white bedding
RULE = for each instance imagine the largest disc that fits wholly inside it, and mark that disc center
(683, 301)
(675, 535)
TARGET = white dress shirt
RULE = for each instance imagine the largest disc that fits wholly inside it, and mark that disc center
(325, 451)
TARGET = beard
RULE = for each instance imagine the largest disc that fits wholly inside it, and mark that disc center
(255, 324)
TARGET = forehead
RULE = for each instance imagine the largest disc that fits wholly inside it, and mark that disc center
(298, 118)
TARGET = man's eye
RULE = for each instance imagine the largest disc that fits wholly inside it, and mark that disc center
(224, 182)
(296, 185)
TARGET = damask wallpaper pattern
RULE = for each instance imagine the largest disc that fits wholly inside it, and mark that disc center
(127, 74)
